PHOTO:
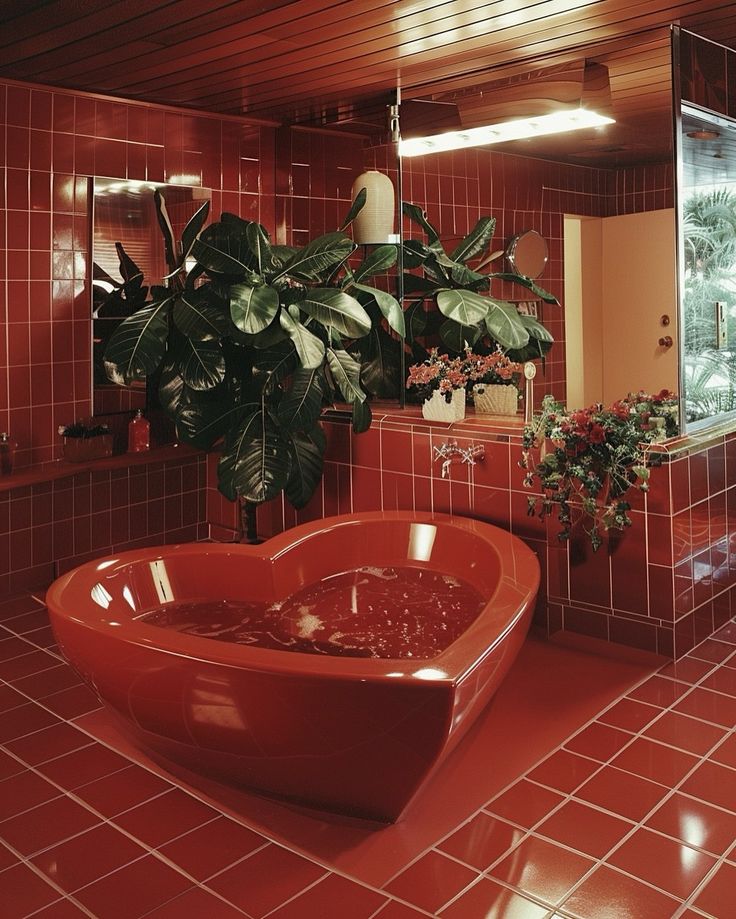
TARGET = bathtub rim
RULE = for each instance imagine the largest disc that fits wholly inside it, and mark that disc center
(510, 604)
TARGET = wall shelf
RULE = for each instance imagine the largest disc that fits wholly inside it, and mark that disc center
(60, 469)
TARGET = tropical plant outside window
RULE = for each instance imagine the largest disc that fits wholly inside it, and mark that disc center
(708, 227)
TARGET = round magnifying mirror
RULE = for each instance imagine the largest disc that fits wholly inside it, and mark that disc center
(528, 253)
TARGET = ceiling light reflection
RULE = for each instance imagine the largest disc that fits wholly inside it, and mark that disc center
(421, 541)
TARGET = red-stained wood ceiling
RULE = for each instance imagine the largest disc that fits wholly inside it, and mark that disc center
(339, 63)
(295, 60)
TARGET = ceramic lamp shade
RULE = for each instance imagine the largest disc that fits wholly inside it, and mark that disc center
(375, 222)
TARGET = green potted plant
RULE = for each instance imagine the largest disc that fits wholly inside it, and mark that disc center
(468, 314)
(251, 342)
(590, 458)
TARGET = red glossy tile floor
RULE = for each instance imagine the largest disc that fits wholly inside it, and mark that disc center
(593, 787)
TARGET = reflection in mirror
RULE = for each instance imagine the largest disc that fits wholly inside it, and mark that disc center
(128, 255)
(601, 197)
(527, 254)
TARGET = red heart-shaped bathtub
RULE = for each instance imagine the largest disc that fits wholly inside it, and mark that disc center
(347, 731)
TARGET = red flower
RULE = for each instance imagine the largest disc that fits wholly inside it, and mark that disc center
(597, 433)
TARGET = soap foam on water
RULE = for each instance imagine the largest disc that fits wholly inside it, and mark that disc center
(389, 612)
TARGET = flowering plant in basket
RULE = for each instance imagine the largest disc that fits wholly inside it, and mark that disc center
(438, 372)
(598, 454)
(495, 369)
(492, 370)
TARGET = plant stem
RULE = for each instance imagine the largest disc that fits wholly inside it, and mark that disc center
(248, 523)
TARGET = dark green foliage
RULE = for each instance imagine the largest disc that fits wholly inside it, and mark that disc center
(251, 343)
(473, 317)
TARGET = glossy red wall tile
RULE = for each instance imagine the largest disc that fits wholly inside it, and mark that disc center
(54, 143)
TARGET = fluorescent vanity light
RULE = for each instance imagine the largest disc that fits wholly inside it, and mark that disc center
(556, 123)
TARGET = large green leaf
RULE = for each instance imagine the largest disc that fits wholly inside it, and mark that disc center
(253, 308)
(201, 364)
(203, 421)
(129, 271)
(504, 324)
(193, 228)
(456, 337)
(355, 208)
(540, 341)
(301, 406)
(167, 231)
(200, 314)
(416, 320)
(222, 248)
(346, 374)
(415, 253)
(418, 284)
(388, 305)
(535, 328)
(260, 246)
(318, 256)
(310, 349)
(476, 241)
(307, 451)
(270, 337)
(380, 363)
(256, 460)
(466, 277)
(172, 391)
(338, 310)
(526, 282)
(379, 260)
(280, 255)
(420, 218)
(278, 361)
(137, 345)
(463, 306)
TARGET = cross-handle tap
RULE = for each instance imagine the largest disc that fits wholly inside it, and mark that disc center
(450, 449)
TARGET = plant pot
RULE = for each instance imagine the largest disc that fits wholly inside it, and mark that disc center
(496, 399)
(439, 409)
(83, 449)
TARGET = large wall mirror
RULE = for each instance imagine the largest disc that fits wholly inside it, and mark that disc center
(601, 199)
(124, 213)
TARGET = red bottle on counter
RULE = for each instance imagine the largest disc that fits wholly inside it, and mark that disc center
(139, 433)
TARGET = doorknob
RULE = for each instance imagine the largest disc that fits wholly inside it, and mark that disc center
(666, 342)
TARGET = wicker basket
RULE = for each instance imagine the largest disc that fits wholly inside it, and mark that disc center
(496, 399)
(438, 409)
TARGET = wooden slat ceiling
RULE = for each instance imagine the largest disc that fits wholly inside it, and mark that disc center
(320, 61)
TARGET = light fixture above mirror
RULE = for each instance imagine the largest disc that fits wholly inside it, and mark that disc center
(518, 129)
(549, 100)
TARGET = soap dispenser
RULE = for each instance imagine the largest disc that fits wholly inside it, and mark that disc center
(139, 433)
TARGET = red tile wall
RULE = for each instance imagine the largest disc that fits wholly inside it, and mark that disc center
(53, 143)
(48, 528)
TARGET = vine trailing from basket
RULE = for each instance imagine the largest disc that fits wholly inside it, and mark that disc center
(598, 454)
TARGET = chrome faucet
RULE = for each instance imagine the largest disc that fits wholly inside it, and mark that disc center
(450, 449)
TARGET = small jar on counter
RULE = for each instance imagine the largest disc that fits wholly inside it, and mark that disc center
(139, 433)
(7, 453)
